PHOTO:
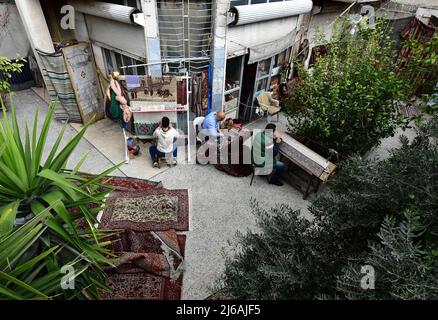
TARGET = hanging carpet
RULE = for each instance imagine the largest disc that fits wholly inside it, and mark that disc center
(59, 86)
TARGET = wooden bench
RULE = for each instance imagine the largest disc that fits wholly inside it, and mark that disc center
(305, 164)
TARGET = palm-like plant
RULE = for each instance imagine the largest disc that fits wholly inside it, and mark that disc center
(50, 200)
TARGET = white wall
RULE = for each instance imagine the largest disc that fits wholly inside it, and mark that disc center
(424, 14)
(35, 25)
(13, 38)
(422, 3)
(81, 32)
(320, 30)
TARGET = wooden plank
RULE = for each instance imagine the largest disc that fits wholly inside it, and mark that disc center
(305, 158)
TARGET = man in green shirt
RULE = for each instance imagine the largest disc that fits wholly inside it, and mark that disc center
(264, 152)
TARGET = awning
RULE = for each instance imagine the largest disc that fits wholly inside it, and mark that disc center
(261, 38)
(268, 11)
(128, 38)
(269, 49)
(106, 10)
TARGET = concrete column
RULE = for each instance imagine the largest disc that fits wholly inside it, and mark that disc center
(35, 25)
(219, 53)
(153, 52)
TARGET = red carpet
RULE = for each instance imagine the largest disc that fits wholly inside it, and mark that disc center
(150, 253)
(131, 281)
(154, 209)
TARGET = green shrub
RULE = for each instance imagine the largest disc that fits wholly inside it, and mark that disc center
(290, 257)
(346, 100)
(402, 268)
(7, 68)
(50, 200)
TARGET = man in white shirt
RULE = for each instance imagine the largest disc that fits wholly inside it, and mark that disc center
(165, 136)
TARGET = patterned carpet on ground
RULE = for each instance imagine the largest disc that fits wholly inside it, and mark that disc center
(149, 249)
(150, 210)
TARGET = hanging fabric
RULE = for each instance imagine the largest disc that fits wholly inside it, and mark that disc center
(199, 100)
(195, 98)
(118, 105)
(132, 82)
(59, 86)
(181, 93)
(205, 92)
(209, 81)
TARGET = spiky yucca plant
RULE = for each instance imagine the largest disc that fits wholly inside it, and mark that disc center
(50, 200)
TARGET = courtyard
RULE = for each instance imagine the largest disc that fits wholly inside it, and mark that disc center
(328, 128)
(219, 203)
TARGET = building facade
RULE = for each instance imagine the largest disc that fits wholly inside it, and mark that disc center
(241, 44)
(245, 46)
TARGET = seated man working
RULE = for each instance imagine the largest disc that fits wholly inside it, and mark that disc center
(210, 126)
(165, 135)
(265, 151)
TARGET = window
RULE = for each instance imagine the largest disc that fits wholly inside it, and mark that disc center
(232, 78)
(269, 72)
(263, 68)
(261, 85)
(239, 3)
(232, 83)
(280, 59)
(129, 3)
(185, 29)
(263, 75)
(114, 61)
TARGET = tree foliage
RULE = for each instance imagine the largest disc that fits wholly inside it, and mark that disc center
(402, 268)
(345, 101)
(7, 68)
(381, 213)
(421, 66)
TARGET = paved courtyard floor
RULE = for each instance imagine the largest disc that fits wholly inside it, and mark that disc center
(220, 204)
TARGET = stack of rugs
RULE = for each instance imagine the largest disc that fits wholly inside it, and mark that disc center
(149, 245)
(148, 128)
(232, 164)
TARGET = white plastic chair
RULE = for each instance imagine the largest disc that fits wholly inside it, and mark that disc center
(197, 123)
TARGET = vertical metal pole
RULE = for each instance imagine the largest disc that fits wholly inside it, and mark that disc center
(125, 138)
(219, 53)
(186, 77)
(189, 48)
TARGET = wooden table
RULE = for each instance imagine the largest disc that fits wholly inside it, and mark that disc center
(317, 168)
(229, 136)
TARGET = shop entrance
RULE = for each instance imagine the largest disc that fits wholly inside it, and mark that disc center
(246, 109)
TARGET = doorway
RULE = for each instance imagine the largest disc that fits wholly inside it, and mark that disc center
(246, 109)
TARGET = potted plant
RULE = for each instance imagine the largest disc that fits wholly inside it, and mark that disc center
(41, 203)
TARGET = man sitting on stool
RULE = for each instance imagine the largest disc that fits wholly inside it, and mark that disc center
(165, 136)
